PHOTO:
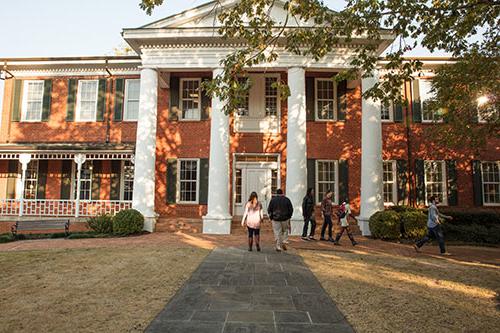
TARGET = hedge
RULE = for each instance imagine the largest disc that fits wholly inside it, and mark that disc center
(127, 222)
(385, 225)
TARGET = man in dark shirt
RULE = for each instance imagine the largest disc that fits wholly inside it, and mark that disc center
(280, 210)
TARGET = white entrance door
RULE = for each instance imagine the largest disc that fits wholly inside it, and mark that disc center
(255, 179)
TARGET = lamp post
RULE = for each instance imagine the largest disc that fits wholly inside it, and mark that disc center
(24, 159)
(79, 160)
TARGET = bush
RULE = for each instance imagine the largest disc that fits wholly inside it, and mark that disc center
(101, 224)
(385, 225)
(414, 224)
(6, 238)
(127, 222)
(402, 209)
(473, 233)
(484, 218)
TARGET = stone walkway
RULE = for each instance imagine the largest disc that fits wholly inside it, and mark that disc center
(234, 290)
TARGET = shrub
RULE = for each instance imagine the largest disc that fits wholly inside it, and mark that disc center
(102, 224)
(402, 209)
(385, 225)
(472, 233)
(468, 217)
(6, 238)
(127, 222)
(414, 224)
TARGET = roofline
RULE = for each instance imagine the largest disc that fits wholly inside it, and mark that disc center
(85, 58)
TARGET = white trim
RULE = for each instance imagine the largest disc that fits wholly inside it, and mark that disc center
(178, 185)
(482, 184)
(78, 101)
(391, 113)
(394, 183)
(122, 181)
(335, 198)
(24, 107)
(316, 116)
(444, 182)
(126, 100)
(181, 81)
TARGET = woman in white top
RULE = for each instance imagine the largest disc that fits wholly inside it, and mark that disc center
(252, 218)
(343, 215)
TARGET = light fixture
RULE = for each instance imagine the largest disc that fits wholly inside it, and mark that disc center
(482, 100)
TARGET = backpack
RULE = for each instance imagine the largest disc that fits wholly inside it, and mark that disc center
(341, 212)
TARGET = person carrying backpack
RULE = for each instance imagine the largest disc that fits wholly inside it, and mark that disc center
(343, 215)
(308, 214)
(280, 211)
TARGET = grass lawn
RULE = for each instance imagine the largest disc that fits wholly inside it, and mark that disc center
(90, 290)
(390, 293)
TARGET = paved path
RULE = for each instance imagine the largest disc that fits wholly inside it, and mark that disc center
(234, 290)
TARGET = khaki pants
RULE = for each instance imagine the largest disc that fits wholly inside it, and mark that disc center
(280, 229)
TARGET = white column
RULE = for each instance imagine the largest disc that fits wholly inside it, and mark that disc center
(218, 219)
(79, 160)
(296, 153)
(371, 157)
(24, 159)
(145, 149)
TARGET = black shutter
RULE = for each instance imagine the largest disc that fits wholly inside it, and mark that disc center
(12, 170)
(477, 179)
(402, 181)
(311, 174)
(43, 168)
(173, 110)
(398, 113)
(341, 100)
(451, 178)
(343, 181)
(71, 102)
(101, 100)
(420, 173)
(206, 102)
(116, 167)
(66, 179)
(17, 100)
(119, 95)
(310, 105)
(47, 99)
(171, 180)
(203, 181)
(416, 107)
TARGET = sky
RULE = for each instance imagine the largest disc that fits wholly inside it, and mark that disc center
(42, 28)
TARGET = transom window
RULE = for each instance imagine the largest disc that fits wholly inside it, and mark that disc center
(325, 99)
(428, 114)
(132, 93)
(435, 180)
(85, 181)
(389, 182)
(31, 180)
(190, 99)
(87, 100)
(32, 100)
(271, 96)
(326, 179)
(128, 180)
(491, 182)
(188, 181)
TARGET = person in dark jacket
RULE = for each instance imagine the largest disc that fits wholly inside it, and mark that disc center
(326, 209)
(308, 214)
(280, 210)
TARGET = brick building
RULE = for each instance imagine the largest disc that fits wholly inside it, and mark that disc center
(83, 136)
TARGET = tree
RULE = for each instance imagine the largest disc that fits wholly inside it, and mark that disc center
(468, 29)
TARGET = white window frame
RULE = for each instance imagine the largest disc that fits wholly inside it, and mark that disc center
(482, 183)
(394, 183)
(278, 100)
(178, 194)
(444, 182)
(391, 113)
(181, 100)
(24, 108)
(126, 100)
(122, 181)
(336, 180)
(36, 165)
(74, 178)
(427, 121)
(79, 99)
(316, 115)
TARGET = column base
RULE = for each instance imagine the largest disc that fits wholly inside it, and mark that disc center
(297, 225)
(149, 224)
(217, 225)
(364, 225)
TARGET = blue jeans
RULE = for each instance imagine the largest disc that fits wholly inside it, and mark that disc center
(435, 233)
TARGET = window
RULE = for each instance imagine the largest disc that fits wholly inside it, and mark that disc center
(387, 112)
(237, 186)
(188, 181)
(326, 179)
(243, 108)
(428, 114)
(32, 101)
(491, 182)
(274, 181)
(85, 181)
(190, 99)
(271, 96)
(435, 180)
(325, 101)
(87, 100)
(389, 183)
(487, 113)
(31, 180)
(128, 180)
(132, 92)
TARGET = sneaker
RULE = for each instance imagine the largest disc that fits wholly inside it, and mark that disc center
(322, 239)
(331, 240)
(258, 248)
(304, 238)
(312, 238)
(250, 249)
(284, 247)
(446, 254)
(278, 249)
(336, 243)
(354, 243)
(417, 249)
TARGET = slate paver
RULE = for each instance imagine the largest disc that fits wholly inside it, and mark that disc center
(256, 292)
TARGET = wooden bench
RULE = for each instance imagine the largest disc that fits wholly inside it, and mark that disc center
(37, 225)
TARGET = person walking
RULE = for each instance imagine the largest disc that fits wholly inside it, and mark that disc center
(326, 209)
(308, 214)
(434, 227)
(280, 210)
(252, 218)
(343, 215)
